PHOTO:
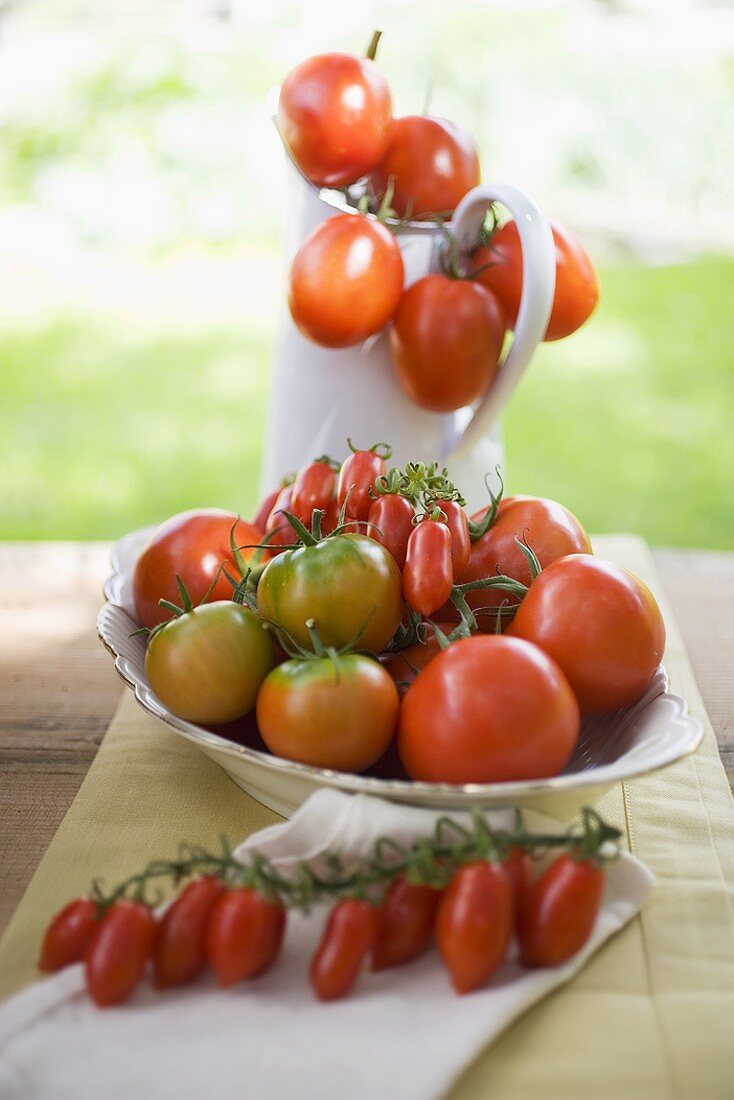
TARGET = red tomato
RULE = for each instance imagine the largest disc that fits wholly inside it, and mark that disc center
(68, 935)
(244, 935)
(446, 340)
(428, 573)
(356, 477)
(330, 520)
(474, 924)
(119, 950)
(391, 523)
(547, 527)
(179, 954)
(577, 283)
(458, 524)
(518, 867)
(345, 281)
(348, 939)
(192, 545)
(460, 718)
(600, 624)
(277, 526)
(405, 923)
(313, 488)
(432, 164)
(335, 114)
(265, 508)
(409, 663)
(559, 912)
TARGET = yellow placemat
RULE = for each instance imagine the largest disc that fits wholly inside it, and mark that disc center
(650, 1017)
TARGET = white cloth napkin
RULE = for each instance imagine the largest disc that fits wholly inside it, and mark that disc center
(269, 1039)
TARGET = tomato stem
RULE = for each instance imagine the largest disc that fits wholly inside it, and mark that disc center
(371, 53)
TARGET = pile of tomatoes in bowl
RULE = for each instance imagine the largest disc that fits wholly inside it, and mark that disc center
(347, 281)
(364, 617)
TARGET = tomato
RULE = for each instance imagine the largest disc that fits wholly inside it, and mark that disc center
(244, 935)
(348, 939)
(331, 714)
(349, 584)
(117, 955)
(600, 624)
(335, 113)
(391, 522)
(313, 488)
(405, 923)
(559, 911)
(192, 545)
(265, 508)
(547, 527)
(409, 663)
(345, 281)
(446, 340)
(277, 526)
(460, 719)
(474, 924)
(330, 519)
(577, 283)
(458, 524)
(428, 573)
(207, 666)
(357, 476)
(68, 935)
(518, 867)
(179, 955)
(432, 164)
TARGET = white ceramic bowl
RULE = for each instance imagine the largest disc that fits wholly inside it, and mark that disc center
(654, 732)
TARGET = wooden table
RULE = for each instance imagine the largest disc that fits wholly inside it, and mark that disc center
(59, 690)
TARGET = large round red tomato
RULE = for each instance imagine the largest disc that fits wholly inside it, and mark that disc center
(600, 624)
(345, 281)
(331, 714)
(192, 545)
(348, 584)
(577, 283)
(334, 114)
(547, 527)
(486, 710)
(446, 340)
(431, 162)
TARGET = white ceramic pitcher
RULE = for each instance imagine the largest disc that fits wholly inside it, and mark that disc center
(319, 396)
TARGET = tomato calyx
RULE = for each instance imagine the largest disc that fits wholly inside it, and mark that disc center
(476, 530)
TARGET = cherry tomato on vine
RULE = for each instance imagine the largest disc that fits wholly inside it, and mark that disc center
(192, 545)
(265, 508)
(68, 935)
(600, 624)
(431, 162)
(347, 583)
(518, 867)
(559, 911)
(179, 954)
(457, 522)
(345, 281)
(391, 523)
(546, 526)
(314, 487)
(460, 718)
(335, 713)
(577, 283)
(405, 923)
(446, 339)
(474, 924)
(244, 935)
(357, 476)
(348, 940)
(119, 950)
(207, 665)
(428, 572)
(277, 526)
(335, 114)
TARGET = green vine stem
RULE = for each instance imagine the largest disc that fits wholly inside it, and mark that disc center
(430, 860)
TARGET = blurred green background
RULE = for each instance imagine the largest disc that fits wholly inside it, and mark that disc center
(141, 195)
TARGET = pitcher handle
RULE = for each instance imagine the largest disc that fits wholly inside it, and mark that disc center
(536, 300)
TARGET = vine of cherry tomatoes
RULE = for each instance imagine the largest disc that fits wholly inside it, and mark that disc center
(346, 281)
(471, 890)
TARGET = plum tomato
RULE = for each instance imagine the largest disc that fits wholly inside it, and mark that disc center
(244, 935)
(405, 923)
(179, 953)
(207, 665)
(335, 712)
(348, 939)
(474, 924)
(559, 910)
(391, 522)
(357, 477)
(314, 487)
(193, 545)
(431, 162)
(119, 952)
(487, 710)
(600, 624)
(428, 572)
(68, 935)
(348, 584)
